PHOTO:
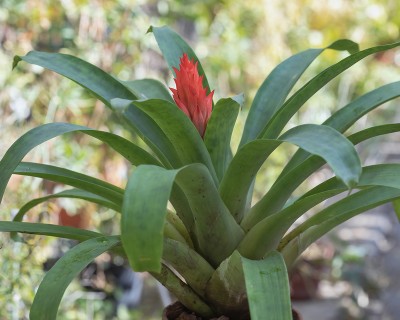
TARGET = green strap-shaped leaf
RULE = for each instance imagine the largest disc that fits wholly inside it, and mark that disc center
(173, 47)
(144, 209)
(266, 234)
(267, 285)
(313, 138)
(218, 134)
(372, 132)
(183, 137)
(143, 216)
(301, 237)
(386, 175)
(280, 192)
(48, 230)
(72, 178)
(276, 87)
(149, 89)
(72, 193)
(99, 83)
(52, 288)
(106, 88)
(349, 114)
(38, 135)
(291, 106)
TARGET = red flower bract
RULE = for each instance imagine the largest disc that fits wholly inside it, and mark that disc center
(190, 96)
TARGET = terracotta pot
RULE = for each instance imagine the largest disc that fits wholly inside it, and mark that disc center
(177, 311)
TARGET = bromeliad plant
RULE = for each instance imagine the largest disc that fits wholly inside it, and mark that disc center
(215, 251)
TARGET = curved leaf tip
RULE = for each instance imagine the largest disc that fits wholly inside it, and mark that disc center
(345, 45)
(149, 30)
(15, 61)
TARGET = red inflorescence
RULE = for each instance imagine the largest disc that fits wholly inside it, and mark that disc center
(190, 95)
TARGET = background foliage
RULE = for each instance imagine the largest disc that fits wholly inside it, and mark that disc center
(238, 43)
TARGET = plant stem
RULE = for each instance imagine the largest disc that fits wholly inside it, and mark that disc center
(183, 292)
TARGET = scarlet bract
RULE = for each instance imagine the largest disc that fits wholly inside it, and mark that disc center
(190, 95)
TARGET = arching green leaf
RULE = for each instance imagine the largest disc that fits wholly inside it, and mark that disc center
(38, 135)
(314, 138)
(106, 88)
(99, 83)
(301, 237)
(52, 288)
(349, 114)
(276, 87)
(294, 103)
(48, 230)
(72, 178)
(72, 193)
(266, 234)
(280, 192)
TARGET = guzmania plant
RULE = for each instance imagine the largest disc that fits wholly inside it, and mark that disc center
(216, 251)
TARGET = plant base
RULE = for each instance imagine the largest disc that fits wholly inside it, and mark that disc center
(177, 311)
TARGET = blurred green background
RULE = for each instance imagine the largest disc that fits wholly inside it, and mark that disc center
(238, 43)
